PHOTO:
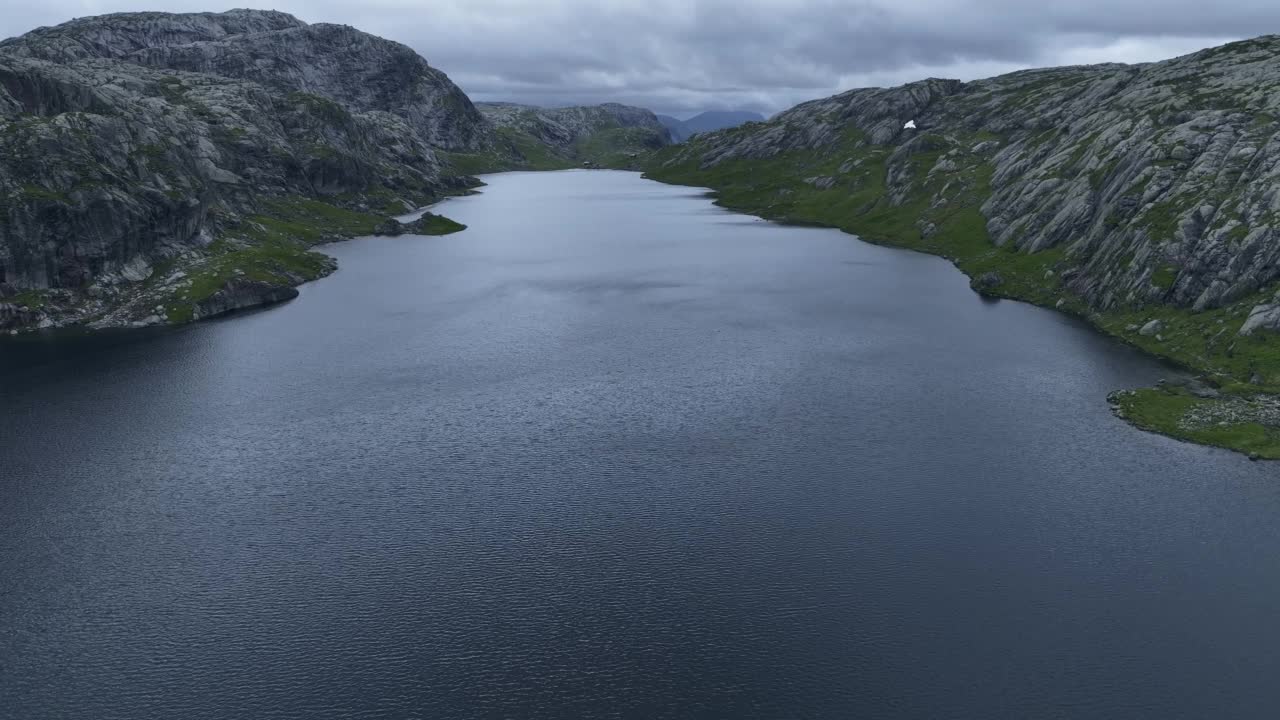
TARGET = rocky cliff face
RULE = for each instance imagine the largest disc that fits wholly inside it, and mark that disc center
(1132, 195)
(138, 142)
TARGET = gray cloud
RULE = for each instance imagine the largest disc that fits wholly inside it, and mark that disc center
(682, 56)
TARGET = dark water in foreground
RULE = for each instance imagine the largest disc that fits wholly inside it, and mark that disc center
(614, 452)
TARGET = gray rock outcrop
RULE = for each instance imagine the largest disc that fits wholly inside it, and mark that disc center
(240, 294)
(987, 282)
(1263, 317)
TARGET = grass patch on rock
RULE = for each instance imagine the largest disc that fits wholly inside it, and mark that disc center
(274, 248)
(515, 150)
(618, 148)
(30, 299)
(276, 261)
(432, 224)
(37, 192)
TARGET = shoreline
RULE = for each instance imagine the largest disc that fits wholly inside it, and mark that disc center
(272, 256)
(1143, 408)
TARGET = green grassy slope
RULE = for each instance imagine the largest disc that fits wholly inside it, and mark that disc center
(614, 148)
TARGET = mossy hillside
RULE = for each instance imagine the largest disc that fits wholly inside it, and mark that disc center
(271, 246)
(620, 148)
(469, 164)
(789, 188)
(533, 153)
(939, 214)
(1206, 341)
(614, 148)
(382, 201)
(308, 221)
(274, 247)
(282, 263)
(1246, 368)
(514, 150)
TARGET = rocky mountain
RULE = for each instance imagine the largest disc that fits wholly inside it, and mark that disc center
(361, 72)
(161, 167)
(609, 135)
(1143, 197)
(709, 121)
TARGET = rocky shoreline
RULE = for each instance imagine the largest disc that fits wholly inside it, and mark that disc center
(1210, 409)
(147, 297)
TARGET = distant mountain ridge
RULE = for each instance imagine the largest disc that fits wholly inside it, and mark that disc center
(709, 121)
(609, 135)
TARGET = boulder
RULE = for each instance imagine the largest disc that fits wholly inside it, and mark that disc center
(390, 226)
(1262, 317)
(240, 294)
(987, 281)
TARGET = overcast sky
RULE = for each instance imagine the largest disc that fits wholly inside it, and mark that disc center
(683, 56)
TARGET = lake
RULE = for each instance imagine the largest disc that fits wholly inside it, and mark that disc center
(616, 452)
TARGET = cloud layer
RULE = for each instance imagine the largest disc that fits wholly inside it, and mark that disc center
(684, 56)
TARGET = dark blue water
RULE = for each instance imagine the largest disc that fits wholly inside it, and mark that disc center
(614, 452)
